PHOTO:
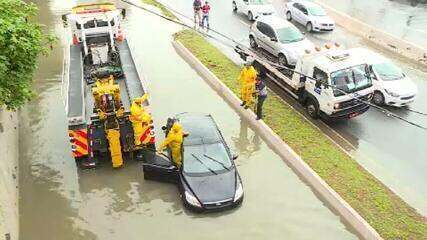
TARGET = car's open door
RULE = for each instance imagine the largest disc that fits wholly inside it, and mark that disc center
(157, 167)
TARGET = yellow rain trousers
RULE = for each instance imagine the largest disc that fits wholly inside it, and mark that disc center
(247, 79)
(174, 141)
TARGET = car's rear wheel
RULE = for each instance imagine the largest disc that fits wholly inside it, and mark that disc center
(250, 16)
(309, 27)
(252, 42)
(234, 5)
(288, 16)
(312, 108)
(378, 98)
(282, 60)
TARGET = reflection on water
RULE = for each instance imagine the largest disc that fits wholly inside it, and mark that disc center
(247, 145)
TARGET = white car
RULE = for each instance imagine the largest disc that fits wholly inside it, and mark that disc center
(392, 86)
(253, 8)
(309, 14)
(280, 38)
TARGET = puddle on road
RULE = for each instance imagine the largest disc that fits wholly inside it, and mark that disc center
(59, 202)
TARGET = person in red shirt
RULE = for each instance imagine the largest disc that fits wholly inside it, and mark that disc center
(206, 9)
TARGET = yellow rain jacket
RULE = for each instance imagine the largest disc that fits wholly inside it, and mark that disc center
(174, 141)
(140, 119)
(247, 79)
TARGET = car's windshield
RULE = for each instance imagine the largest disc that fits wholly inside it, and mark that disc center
(350, 80)
(388, 71)
(289, 34)
(206, 159)
(316, 11)
(258, 2)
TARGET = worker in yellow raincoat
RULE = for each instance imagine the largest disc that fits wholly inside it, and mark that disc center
(140, 118)
(247, 81)
(174, 141)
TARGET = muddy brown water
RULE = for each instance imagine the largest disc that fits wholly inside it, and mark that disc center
(59, 202)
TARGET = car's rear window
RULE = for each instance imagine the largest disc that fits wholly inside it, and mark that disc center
(201, 128)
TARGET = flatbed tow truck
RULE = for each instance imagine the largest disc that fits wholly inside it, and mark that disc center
(330, 82)
(105, 96)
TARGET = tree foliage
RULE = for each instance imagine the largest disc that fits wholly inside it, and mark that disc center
(21, 42)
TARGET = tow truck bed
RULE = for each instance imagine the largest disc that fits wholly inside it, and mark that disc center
(75, 84)
(80, 100)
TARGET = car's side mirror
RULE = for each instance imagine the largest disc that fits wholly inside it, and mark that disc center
(164, 128)
(234, 155)
(303, 33)
(273, 39)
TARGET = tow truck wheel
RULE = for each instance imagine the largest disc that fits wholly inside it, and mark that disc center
(312, 108)
(288, 16)
(282, 60)
(234, 6)
(378, 98)
(250, 16)
(309, 27)
(252, 42)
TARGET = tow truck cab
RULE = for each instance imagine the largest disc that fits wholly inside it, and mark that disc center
(341, 78)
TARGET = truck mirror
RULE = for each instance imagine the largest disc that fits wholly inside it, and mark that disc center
(318, 83)
(123, 13)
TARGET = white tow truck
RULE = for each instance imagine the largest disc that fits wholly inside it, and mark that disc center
(330, 82)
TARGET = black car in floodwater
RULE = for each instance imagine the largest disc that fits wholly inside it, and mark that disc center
(208, 179)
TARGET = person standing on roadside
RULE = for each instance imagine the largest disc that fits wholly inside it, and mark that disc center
(261, 92)
(206, 9)
(247, 80)
(197, 7)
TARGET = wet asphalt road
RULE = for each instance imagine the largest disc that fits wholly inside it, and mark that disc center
(399, 17)
(390, 149)
(59, 202)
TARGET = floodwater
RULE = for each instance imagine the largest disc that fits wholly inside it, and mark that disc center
(60, 202)
(399, 18)
(391, 150)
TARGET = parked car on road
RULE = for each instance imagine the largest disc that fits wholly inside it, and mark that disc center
(208, 179)
(280, 38)
(392, 86)
(309, 14)
(253, 8)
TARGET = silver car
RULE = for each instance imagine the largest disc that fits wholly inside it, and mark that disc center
(309, 14)
(280, 38)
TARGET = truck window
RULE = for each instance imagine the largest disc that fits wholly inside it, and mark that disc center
(100, 23)
(320, 75)
(351, 79)
(89, 24)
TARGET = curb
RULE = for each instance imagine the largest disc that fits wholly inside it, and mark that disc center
(9, 174)
(377, 36)
(282, 149)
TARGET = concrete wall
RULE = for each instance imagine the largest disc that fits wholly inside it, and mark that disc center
(9, 144)
(377, 36)
(347, 213)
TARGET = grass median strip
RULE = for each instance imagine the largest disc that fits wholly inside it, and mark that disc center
(386, 212)
(162, 8)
